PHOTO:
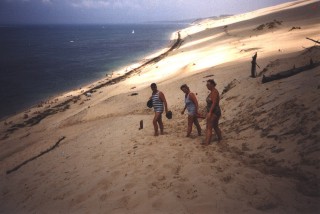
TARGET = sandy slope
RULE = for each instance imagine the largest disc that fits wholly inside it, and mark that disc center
(268, 161)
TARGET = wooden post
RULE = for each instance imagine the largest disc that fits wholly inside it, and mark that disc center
(141, 124)
(253, 66)
(311, 61)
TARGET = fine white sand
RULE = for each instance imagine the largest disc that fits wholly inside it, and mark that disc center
(268, 161)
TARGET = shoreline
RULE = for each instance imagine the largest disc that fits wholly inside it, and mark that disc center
(55, 81)
(86, 90)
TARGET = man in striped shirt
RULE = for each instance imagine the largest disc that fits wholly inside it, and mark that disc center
(159, 104)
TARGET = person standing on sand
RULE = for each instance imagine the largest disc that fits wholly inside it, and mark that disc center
(214, 112)
(191, 104)
(159, 104)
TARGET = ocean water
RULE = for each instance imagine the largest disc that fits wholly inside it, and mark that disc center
(37, 62)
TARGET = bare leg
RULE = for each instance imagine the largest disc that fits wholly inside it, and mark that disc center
(190, 123)
(208, 131)
(216, 128)
(196, 122)
(160, 124)
(155, 123)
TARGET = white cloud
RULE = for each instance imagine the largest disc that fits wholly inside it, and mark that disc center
(46, 1)
(115, 4)
(43, 1)
(90, 3)
(134, 4)
(17, 0)
(125, 4)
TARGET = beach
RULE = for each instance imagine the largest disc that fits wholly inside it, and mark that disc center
(83, 151)
(44, 61)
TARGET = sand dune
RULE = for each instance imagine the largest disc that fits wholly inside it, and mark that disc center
(268, 161)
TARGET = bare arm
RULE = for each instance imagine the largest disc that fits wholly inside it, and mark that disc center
(185, 107)
(163, 99)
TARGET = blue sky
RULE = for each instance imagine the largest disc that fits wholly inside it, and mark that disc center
(120, 11)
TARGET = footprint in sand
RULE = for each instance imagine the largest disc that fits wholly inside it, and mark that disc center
(186, 192)
(103, 197)
(226, 179)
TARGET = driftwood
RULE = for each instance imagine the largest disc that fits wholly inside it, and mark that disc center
(313, 40)
(35, 157)
(291, 72)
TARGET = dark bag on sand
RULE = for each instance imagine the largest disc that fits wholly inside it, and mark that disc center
(149, 104)
(169, 115)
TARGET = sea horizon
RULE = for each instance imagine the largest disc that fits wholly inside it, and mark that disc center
(165, 22)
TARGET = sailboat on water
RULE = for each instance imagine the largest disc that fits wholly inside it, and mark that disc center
(132, 31)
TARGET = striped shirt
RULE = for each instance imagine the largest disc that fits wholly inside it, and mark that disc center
(157, 103)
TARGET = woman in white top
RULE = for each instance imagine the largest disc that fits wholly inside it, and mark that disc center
(191, 104)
